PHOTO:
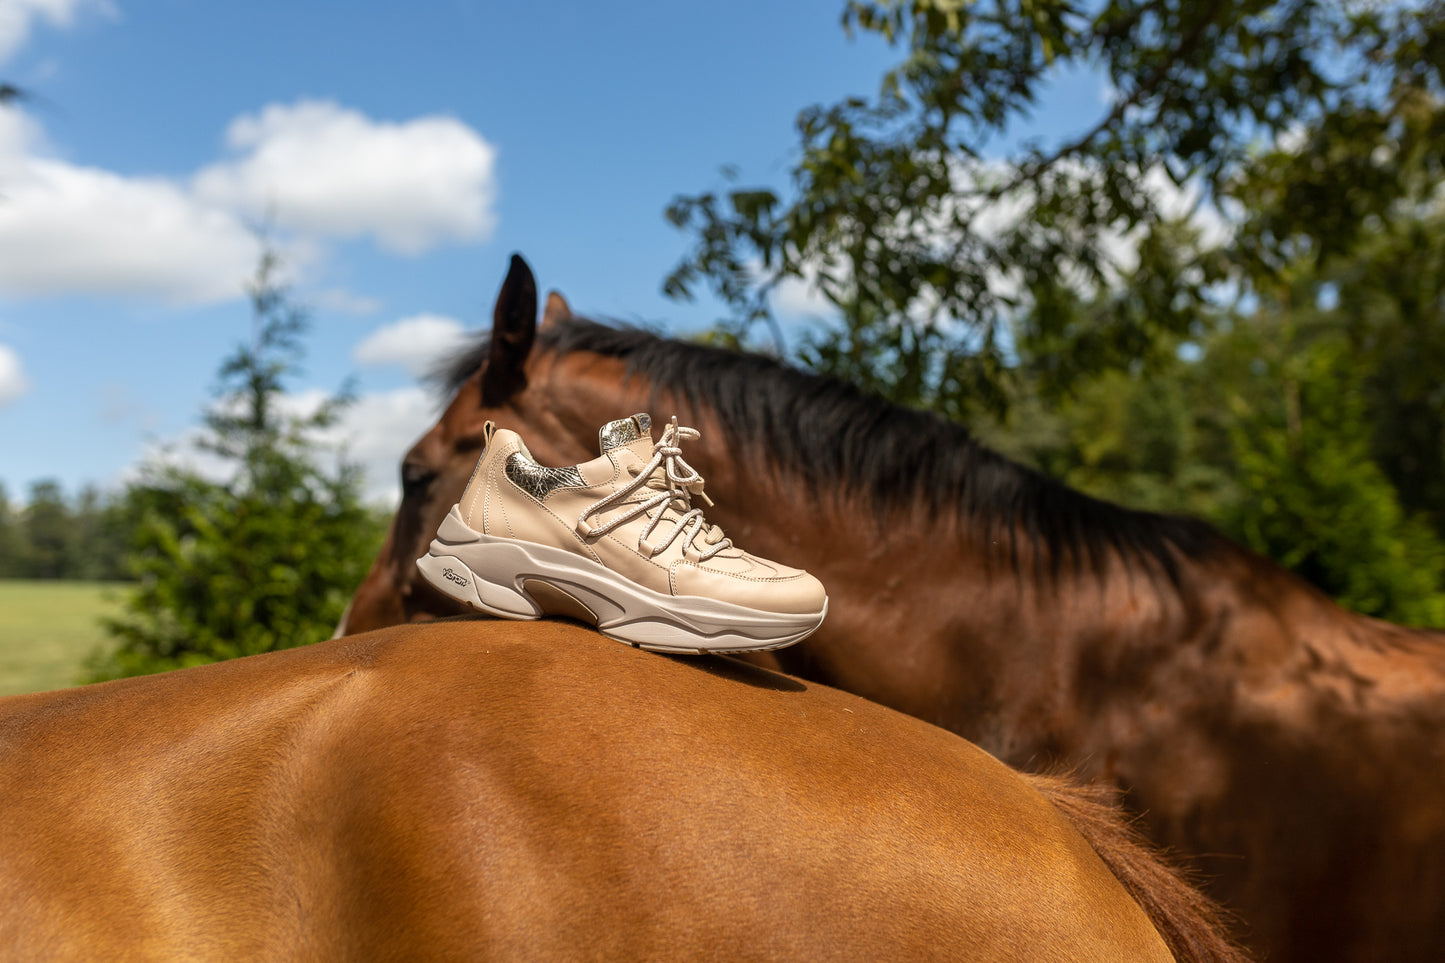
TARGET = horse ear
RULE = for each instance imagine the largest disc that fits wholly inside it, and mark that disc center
(557, 309)
(514, 326)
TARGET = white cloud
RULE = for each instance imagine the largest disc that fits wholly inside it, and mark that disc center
(416, 343)
(801, 297)
(378, 430)
(13, 382)
(19, 135)
(374, 432)
(183, 450)
(69, 229)
(1186, 201)
(343, 301)
(66, 228)
(120, 406)
(180, 451)
(316, 171)
(17, 17)
(319, 168)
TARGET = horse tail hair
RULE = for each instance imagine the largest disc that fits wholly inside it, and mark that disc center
(1192, 925)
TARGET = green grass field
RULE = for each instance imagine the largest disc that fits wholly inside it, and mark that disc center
(48, 630)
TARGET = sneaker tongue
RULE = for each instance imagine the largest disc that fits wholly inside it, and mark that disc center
(624, 431)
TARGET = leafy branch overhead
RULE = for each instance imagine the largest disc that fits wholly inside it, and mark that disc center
(944, 242)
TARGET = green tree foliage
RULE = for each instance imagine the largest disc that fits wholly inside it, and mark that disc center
(1272, 429)
(933, 230)
(1344, 355)
(1391, 296)
(1150, 441)
(1312, 498)
(11, 541)
(51, 537)
(103, 526)
(265, 559)
(49, 533)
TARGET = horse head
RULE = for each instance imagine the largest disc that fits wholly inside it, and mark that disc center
(504, 379)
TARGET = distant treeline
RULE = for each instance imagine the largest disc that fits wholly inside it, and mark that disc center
(52, 536)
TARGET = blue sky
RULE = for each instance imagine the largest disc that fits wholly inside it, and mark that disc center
(401, 152)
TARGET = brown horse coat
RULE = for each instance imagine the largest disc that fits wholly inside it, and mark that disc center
(480, 790)
(1294, 750)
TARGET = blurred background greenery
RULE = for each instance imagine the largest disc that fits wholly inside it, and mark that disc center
(259, 552)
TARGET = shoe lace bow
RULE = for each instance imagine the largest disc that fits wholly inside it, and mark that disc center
(678, 481)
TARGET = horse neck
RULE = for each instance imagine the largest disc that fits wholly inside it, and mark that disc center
(903, 570)
(1023, 620)
(893, 555)
(1244, 585)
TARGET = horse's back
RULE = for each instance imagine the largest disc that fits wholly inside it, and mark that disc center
(488, 790)
(175, 816)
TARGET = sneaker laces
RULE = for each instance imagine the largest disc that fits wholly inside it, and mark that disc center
(682, 482)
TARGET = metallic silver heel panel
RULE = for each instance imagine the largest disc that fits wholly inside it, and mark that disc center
(539, 481)
(624, 431)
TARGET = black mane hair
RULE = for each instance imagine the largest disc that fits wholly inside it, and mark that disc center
(831, 435)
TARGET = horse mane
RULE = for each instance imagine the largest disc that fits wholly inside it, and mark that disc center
(831, 435)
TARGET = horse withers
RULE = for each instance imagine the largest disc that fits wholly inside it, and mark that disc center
(1291, 749)
(476, 790)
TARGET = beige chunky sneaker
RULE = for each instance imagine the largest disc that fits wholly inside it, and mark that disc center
(617, 542)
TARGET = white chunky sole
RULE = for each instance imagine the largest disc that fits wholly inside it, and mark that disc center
(514, 579)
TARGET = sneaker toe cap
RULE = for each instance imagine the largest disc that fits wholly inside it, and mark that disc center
(795, 593)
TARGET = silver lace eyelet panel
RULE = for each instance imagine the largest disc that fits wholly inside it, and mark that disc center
(624, 431)
(539, 481)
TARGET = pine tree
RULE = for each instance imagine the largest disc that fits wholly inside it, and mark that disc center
(1312, 498)
(265, 559)
(10, 542)
(49, 534)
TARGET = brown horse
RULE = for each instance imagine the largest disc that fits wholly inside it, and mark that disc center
(1294, 750)
(481, 790)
